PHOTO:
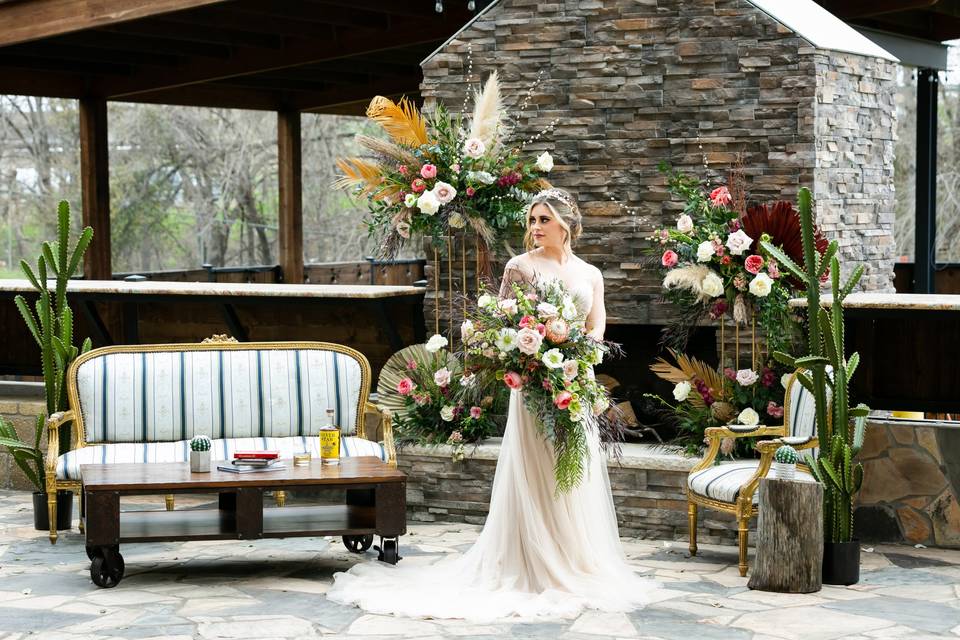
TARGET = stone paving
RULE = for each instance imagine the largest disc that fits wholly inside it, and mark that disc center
(275, 589)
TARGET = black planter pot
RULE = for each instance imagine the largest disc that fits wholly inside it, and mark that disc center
(41, 517)
(841, 562)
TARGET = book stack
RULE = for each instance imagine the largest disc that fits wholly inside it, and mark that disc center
(249, 461)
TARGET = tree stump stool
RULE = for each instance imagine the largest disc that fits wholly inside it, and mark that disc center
(789, 537)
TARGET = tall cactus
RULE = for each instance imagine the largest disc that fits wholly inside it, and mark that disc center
(51, 325)
(826, 374)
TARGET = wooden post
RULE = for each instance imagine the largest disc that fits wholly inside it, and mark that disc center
(789, 537)
(291, 196)
(95, 186)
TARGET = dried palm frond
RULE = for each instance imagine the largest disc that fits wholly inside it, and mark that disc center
(387, 149)
(357, 172)
(487, 112)
(689, 278)
(402, 121)
(689, 369)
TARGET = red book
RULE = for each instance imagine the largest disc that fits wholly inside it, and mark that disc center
(256, 455)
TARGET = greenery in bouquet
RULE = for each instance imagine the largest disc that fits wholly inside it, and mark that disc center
(442, 405)
(705, 397)
(438, 172)
(536, 342)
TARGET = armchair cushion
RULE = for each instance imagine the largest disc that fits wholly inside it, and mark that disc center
(68, 465)
(723, 482)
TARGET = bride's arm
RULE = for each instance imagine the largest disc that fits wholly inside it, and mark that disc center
(597, 318)
(513, 272)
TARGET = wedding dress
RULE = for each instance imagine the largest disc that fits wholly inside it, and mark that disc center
(540, 554)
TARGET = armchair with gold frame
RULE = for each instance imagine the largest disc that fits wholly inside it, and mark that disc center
(731, 487)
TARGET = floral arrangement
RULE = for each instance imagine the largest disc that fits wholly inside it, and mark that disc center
(442, 405)
(714, 263)
(705, 397)
(200, 443)
(536, 342)
(437, 173)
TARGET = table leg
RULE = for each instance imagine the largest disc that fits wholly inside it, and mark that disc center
(249, 513)
(391, 505)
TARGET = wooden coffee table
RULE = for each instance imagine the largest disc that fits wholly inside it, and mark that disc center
(375, 504)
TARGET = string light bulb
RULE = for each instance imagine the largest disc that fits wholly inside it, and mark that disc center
(438, 7)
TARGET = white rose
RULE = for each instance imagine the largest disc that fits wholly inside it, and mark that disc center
(428, 203)
(507, 339)
(444, 192)
(466, 330)
(738, 242)
(483, 177)
(508, 306)
(456, 221)
(547, 310)
(409, 200)
(760, 285)
(442, 377)
(487, 302)
(712, 285)
(545, 162)
(746, 377)
(705, 251)
(684, 224)
(435, 343)
(748, 417)
(529, 341)
(447, 413)
(553, 359)
(681, 391)
(570, 369)
(474, 148)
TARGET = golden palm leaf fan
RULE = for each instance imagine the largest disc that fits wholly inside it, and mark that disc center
(397, 368)
(401, 120)
(689, 369)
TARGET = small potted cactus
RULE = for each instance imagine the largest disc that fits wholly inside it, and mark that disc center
(785, 462)
(200, 454)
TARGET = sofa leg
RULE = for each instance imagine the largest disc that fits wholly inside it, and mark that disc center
(744, 526)
(52, 514)
(280, 497)
(692, 525)
(169, 501)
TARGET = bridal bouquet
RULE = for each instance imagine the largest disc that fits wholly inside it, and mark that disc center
(437, 172)
(536, 342)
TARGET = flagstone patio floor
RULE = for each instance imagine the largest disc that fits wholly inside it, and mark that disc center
(275, 589)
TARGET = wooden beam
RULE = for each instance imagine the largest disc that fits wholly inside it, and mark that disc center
(291, 196)
(248, 61)
(48, 84)
(95, 186)
(35, 19)
(392, 86)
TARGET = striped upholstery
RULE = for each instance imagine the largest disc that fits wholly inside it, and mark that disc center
(802, 419)
(723, 482)
(68, 465)
(170, 396)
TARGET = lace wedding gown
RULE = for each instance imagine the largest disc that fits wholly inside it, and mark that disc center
(540, 554)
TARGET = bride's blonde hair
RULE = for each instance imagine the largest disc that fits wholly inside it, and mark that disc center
(564, 208)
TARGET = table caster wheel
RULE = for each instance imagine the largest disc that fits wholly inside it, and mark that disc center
(389, 552)
(357, 544)
(106, 568)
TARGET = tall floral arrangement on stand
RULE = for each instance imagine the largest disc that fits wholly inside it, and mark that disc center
(717, 265)
(443, 171)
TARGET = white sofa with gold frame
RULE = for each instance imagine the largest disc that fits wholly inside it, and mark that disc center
(731, 487)
(143, 403)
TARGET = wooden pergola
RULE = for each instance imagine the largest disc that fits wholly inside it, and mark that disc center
(288, 56)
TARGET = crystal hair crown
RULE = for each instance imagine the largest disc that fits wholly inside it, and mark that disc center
(556, 194)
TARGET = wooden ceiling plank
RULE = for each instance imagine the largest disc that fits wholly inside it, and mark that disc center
(53, 50)
(120, 41)
(30, 20)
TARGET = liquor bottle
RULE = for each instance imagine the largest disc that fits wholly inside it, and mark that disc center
(330, 441)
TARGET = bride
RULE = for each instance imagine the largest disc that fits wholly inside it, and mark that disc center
(541, 554)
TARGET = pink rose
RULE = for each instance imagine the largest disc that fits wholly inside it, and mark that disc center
(403, 169)
(527, 321)
(444, 192)
(475, 412)
(529, 341)
(532, 297)
(563, 400)
(512, 379)
(557, 330)
(470, 192)
(411, 365)
(669, 259)
(773, 270)
(730, 374)
(774, 410)
(753, 264)
(442, 377)
(405, 386)
(455, 168)
(428, 171)
(542, 329)
(418, 185)
(421, 398)
(720, 196)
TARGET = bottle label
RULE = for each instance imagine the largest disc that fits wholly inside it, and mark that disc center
(329, 445)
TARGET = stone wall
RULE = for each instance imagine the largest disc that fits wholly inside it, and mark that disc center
(648, 491)
(911, 484)
(697, 83)
(22, 412)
